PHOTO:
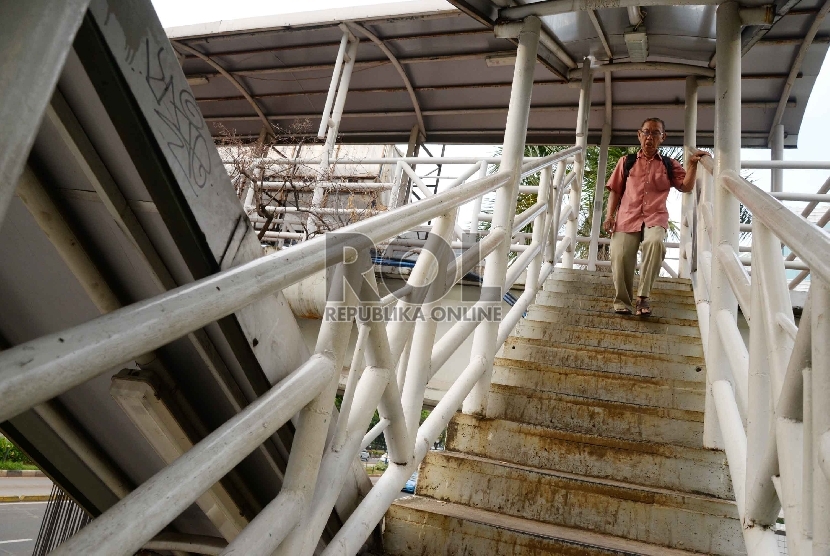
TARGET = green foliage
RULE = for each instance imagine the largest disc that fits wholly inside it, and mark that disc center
(589, 185)
(9, 453)
(16, 466)
(379, 444)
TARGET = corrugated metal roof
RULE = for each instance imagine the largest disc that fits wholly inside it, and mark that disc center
(285, 63)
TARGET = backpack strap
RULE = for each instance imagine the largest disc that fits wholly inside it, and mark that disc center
(667, 162)
(630, 159)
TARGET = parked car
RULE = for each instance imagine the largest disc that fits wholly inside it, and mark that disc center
(364, 456)
(410, 484)
(384, 458)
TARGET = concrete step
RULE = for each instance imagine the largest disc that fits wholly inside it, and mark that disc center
(606, 289)
(586, 277)
(649, 515)
(663, 297)
(613, 339)
(665, 309)
(610, 321)
(672, 367)
(600, 385)
(418, 526)
(590, 416)
(683, 469)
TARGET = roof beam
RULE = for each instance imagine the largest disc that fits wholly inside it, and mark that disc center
(379, 43)
(686, 69)
(567, 134)
(498, 110)
(796, 67)
(369, 63)
(335, 44)
(595, 20)
(543, 83)
(230, 78)
(553, 7)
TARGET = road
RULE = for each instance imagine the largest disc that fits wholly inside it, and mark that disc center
(25, 486)
(19, 525)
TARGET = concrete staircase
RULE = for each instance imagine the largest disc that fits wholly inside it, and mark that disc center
(591, 445)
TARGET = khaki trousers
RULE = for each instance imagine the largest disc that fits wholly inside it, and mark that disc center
(624, 247)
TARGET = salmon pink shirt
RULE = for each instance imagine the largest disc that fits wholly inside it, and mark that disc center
(645, 192)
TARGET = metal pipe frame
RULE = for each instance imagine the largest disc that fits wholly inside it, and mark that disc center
(602, 167)
(674, 67)
(579, 164)
(496, 264)
(796, 67)
(727, 156)
(316, 379)
(542, 108)
(385, 49)
(780, 460)
(66, 359)
(687, 205)
(553, 7)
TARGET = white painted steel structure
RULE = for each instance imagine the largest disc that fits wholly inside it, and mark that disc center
(767, 403)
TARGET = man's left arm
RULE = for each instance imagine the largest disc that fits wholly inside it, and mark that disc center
(691, 173)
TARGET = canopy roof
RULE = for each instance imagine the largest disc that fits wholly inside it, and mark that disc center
(461, 73)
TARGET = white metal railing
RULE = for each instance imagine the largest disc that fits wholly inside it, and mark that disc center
(381, 378)
(770, 399)
(391, 365)
(43, 368)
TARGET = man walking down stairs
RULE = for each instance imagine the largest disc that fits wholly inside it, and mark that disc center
(592, 443)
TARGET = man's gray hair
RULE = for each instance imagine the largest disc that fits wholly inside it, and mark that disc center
(656, 120)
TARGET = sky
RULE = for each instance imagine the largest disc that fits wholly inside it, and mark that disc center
(812, 136)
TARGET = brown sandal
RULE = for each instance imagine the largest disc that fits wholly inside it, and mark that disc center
(643, 308)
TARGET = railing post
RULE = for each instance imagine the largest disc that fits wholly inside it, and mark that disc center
(687, 207)
(762, 505)
(579, 161)
(482, 173)
(602, 167)
(820, 317)
(777, 153)
(556, 200)
(539, 224)
(727, 157)
(495, 270)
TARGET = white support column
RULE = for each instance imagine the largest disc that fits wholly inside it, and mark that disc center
(484, 340)
(777, 153)
(687, 207)
(820, 317)
(602, 167)
(579, 161)
(727, 221)
(335, 79)
(334, 126)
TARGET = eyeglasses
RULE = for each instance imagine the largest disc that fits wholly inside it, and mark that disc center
(655, 134)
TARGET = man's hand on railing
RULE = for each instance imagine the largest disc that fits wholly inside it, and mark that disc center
(695, 157)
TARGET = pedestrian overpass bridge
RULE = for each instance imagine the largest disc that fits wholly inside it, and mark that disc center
(153, 367)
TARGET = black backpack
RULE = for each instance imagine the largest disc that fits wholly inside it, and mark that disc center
(630, 159)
